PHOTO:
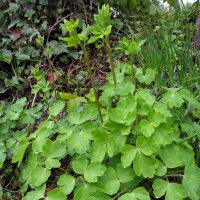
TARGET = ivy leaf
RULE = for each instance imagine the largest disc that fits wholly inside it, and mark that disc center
(79, 164)
(67, 183)
(170, 190)
(37, 179)
(109, 182)
(54, 149)
(137, 194)
(37, 194)
(191, 180)
(56, 108)
(176, 156)
(124, 174)
(19, 151)
(93, 171)
(56, 194)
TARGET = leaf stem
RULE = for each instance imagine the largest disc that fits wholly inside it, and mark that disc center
(111, 59)
(92, 81)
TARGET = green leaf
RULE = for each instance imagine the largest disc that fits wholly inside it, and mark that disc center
(125, 112)
(56, 194)
(146, 128)
(88, 192)
(146, 95)
(137, 194)
(124, 174)
(14, 111)
(56, 108)
(98, 152)
(147, 78)
(93, 171)
(67, 183)
(188, 96)
(172, 191)
(191, 180)
(163, 134)
(2, 154)
(146, 146)
(6, 56)
(173, 98)
(37, 179)
(54, 149)
(37, 194)
(52, 163)
(109, 182)
(79, 164)
(79, 141)
(19, 152)
(176, 156)
(144, 165)
(93, 39)
(129, 152)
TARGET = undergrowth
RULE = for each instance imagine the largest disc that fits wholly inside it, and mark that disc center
(124, 140)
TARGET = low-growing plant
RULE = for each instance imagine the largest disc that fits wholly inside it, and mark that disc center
(147, 146)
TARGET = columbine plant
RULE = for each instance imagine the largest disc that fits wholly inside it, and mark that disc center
(102, 30)
(129, 48)
(81, 39)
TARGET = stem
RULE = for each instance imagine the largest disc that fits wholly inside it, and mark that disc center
(132, 69)
(92, 81)
(111, 59)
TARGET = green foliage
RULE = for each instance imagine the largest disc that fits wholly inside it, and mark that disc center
(145, 136)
